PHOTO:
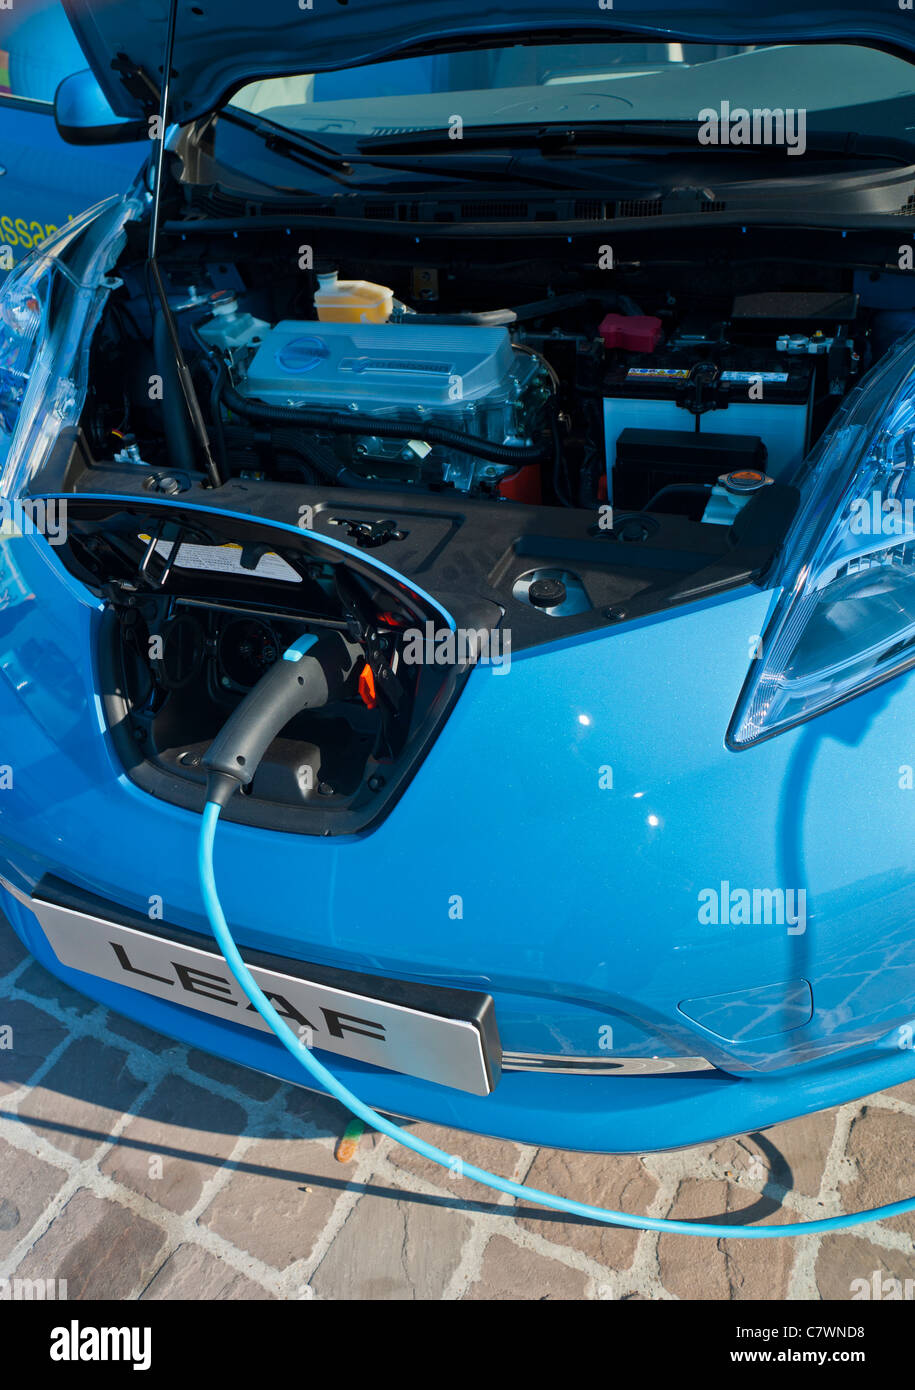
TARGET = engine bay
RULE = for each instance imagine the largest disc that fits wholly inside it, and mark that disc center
(593, 447)
(379, 376)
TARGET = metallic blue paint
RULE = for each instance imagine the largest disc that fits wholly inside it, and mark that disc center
(579, 902)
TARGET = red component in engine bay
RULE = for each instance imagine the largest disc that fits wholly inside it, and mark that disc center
(631, 332)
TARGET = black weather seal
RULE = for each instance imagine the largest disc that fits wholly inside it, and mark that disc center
(184, 376)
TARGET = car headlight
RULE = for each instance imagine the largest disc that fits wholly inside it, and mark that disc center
(22, 310)
(49, 306)
(845, 619)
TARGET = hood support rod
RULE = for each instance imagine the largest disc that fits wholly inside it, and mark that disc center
(184, 376)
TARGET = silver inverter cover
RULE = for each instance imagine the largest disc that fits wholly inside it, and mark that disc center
(380, 366)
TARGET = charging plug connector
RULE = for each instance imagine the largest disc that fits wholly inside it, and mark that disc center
(309, 674)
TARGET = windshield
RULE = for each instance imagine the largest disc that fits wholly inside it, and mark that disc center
(840, 86)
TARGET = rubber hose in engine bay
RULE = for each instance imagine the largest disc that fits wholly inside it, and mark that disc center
(335, 421)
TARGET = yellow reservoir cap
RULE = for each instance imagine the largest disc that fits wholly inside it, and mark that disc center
(352, 301)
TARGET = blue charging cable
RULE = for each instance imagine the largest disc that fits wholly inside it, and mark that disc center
(370, 1117)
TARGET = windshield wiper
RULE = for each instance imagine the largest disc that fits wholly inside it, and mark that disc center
(497, 166)
(296, 145)
(311, 153)
(615, 137)
(554, 155)
(558, 135)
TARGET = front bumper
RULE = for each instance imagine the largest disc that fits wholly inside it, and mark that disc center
(515, 866)
(612, 1114)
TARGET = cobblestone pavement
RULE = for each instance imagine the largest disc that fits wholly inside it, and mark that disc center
(133, 1167)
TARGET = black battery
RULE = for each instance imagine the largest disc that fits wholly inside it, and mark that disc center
(701, 384)
(743, 391)
(649, 460)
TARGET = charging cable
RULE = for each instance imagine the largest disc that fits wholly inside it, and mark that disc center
(312, 671)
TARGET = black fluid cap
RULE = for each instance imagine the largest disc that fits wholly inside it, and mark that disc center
(547, 593)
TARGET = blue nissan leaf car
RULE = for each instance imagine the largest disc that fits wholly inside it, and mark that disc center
(554, 372)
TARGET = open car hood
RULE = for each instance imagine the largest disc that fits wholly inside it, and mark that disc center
(221, 46)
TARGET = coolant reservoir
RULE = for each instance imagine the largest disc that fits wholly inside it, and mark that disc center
(228, 327)
(352, 301)
(731, 494)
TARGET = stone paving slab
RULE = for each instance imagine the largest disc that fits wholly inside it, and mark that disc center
(134, 1167)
